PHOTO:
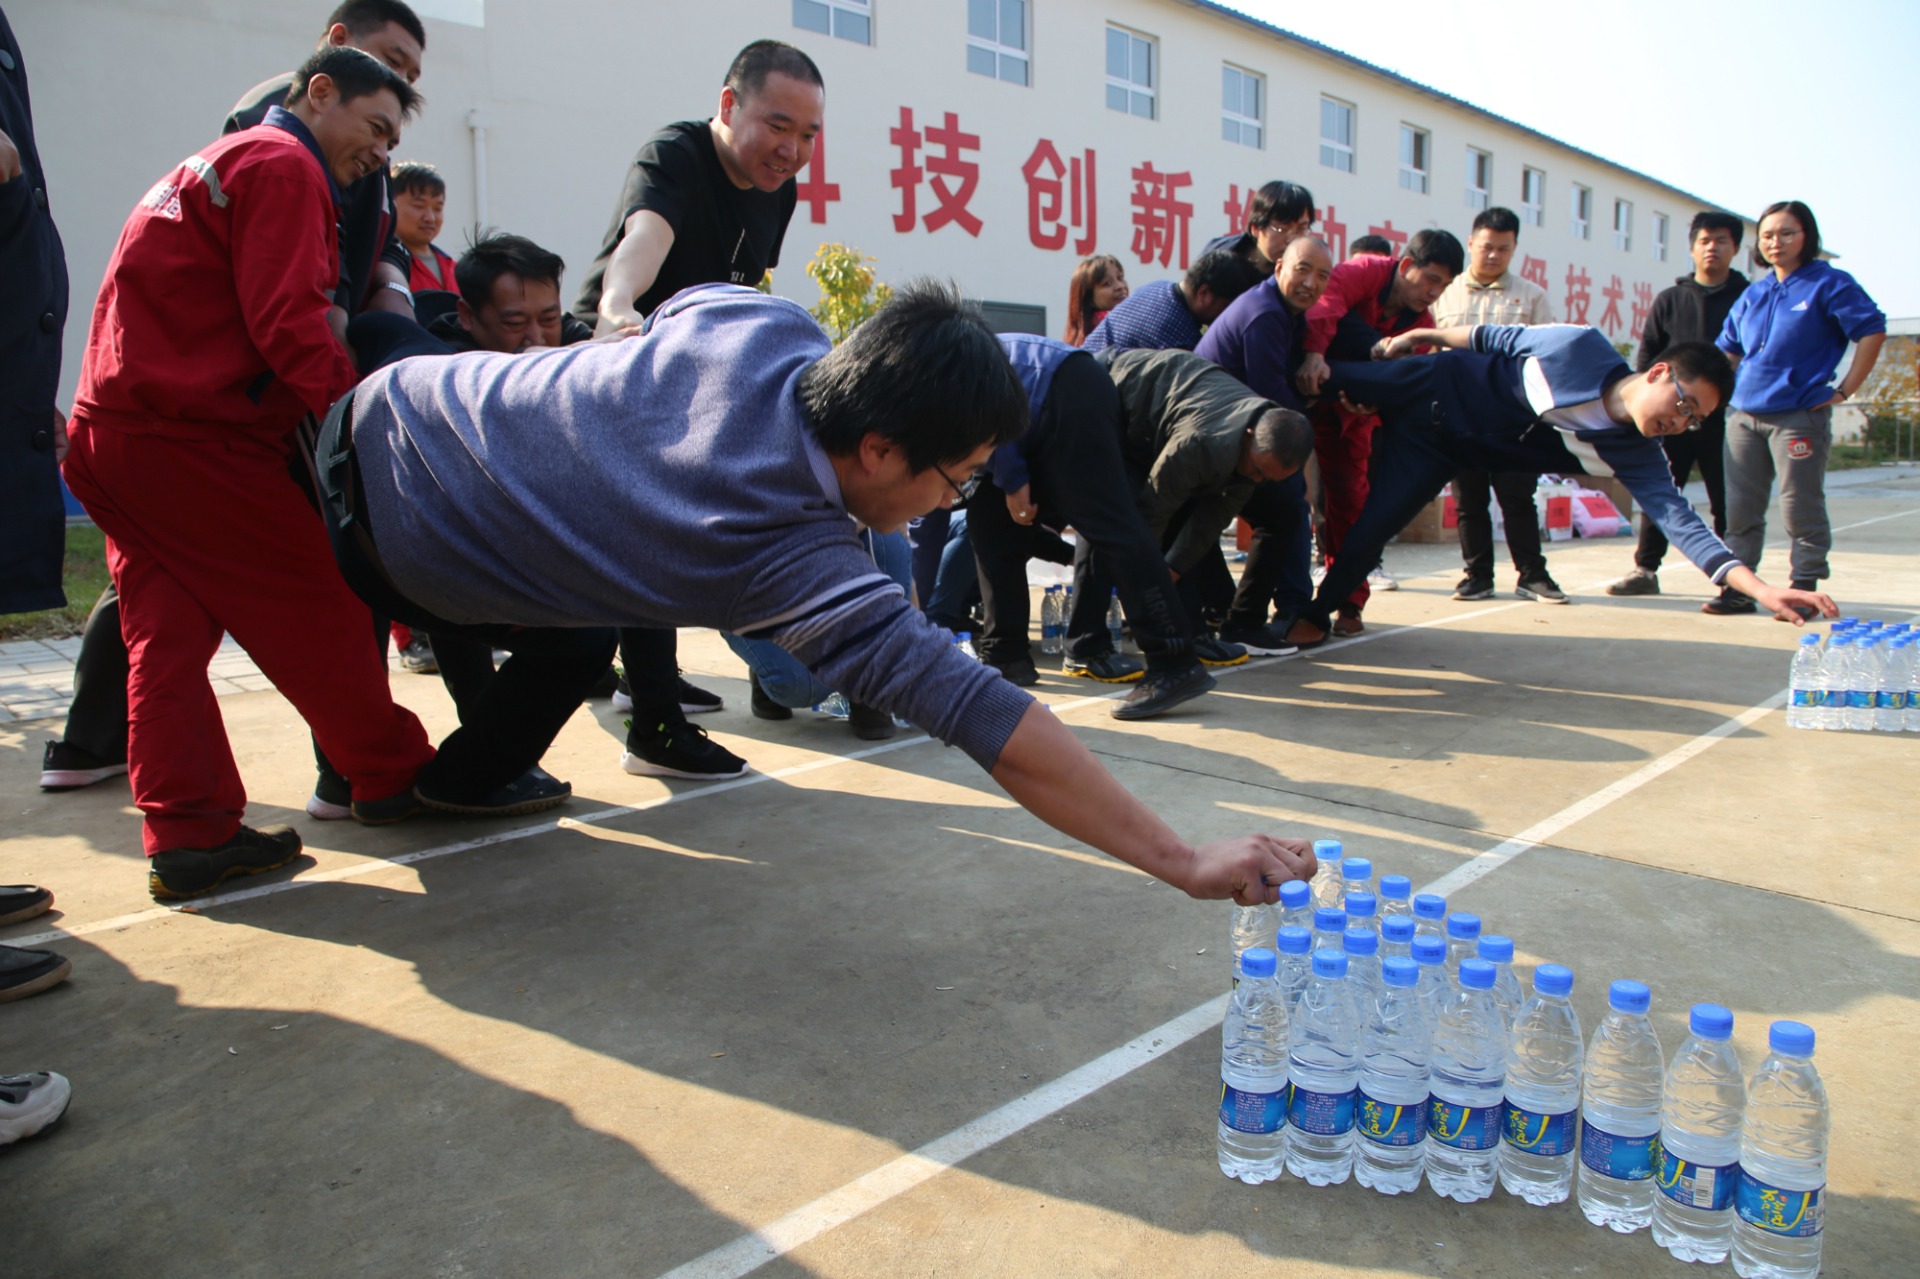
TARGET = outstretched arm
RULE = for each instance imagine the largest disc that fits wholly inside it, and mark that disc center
(1781, 601)
(1457, 338)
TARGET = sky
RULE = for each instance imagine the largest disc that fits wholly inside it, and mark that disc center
(1742, 103)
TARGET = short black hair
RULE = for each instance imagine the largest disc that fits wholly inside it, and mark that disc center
(1225, 272)
(1279, 202)
(364, 17)
(355, 74)
(753, 64)
(1804, 216)
(1284, 434)
(411, 176)
(1692, 361)
(1497, 220)
(1716, 220)
(925, 373)
(1436, 248)
(498, 254)
(1372, 244)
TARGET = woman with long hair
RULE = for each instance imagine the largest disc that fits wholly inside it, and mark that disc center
(1099, 284)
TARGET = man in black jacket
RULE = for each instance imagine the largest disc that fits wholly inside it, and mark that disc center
(1693, 310)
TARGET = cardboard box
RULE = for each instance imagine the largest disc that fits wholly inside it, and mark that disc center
(1613, 488)
(1436, 521)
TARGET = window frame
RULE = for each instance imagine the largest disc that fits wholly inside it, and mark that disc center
(1662, 236)
(1535, 211)
(1000, 52)
(1345, 153)
(1134, 89)
(1479, 197)
(1241, 123)
(1582, 217)
(1416, 177)
(862, 9)
(1623, 237)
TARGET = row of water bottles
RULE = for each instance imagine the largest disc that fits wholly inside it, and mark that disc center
(1399, 1048)
(1056, 606)
(1864, 677)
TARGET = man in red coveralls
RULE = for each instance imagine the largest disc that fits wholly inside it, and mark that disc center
(209, 345)
(1367, 298)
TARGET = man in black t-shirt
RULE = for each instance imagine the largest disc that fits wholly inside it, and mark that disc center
(704, 202)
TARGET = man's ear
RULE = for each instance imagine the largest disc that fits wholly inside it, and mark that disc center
(875, 449)
(728, 101)
(465, 312)
(338, 36)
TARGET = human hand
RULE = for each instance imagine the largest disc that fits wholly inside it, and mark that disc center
(620, 334)
(1785, 604)
(9, 158)
(1394, 348)
(1357, 410)
(60, 441)
(1020, 505)
(1834, 401)
(1249, 869)
(1313, 373)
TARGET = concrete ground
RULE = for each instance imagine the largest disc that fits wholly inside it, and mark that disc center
(857, 1014)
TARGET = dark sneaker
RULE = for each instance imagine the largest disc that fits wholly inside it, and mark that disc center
(534, 791)
(418, 657)
(1018, 671)
(189, 872)
(66, 767)
(869, 723)
(1108, 668)
(23, 901)
(1638, 582)
(1348, 625)
(679, 750)
(1268, 640)
(1161, 691)
(1542, 588)
(332, 799)
(31, 1104)
(607, 685)
(622, 691)
(1474, 588)
(762, 706)
(1729, 603)
(28, 972)
(695, 700)
(388, 811)
(1212, 652)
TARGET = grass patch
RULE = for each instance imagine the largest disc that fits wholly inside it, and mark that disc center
(83, 574)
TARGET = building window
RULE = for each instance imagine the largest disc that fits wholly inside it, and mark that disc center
(997, 39)
(1240, 94)
(1413, 158)
(1623, 225)
(1130, 77)
(1336, 134)
(1479, 178)
(846, 19)
(1659, 237)
(1582, 213)
(1533, 196)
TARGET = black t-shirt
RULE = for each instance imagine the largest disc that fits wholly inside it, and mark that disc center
(721, 234)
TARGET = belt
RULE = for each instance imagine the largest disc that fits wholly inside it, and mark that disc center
(336, 475)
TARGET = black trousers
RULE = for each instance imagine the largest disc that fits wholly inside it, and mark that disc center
(1279, 568)
(1475, 491)
(1704, 448)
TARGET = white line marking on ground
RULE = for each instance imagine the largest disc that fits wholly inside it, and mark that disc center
(897, 1176)
(1876, 519)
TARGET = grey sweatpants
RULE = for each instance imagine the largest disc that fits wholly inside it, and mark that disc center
(1793, 446)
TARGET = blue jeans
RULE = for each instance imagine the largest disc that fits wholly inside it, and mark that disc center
(778, 672)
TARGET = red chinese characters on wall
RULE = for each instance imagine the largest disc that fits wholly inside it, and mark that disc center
(1391, 234)
(1160, 216)
(1642, 307)
(950, 176)
(1610, 318)
(1535, 269)
(1238, 208)
(1061, 196)
(1334, 232)
(1579, 294)
(812, 188)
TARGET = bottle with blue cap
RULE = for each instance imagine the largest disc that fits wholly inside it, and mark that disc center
(1858, 715)
(1053, 628)
(1467, 1088)
(1435, 983)
(1463, 938)
(1890, 686)
(1356, 875)
(1362, 947)
(1323, 1069)
(1620, 1113)
(1252, 926)
(1912, 643)
(1253, 1073)
(1363, 910)
(1390, 1114)
(1544, 1058)
(1498, 951)
(1296, 904)
(963, 641)
(1701, 1108)
(1329, 928)
(1396, 896)
(1430, 915)
(1328, 888)
(1803, 684)
(1780, 1202)
(1836, 675)
(1396, 937)
(1296, 964)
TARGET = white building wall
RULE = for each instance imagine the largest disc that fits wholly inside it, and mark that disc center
(123, 89)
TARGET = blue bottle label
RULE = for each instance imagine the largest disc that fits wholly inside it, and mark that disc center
(1708, 1187)
(1386, 1124)
(1541, 1134)
(1796, 1214)
(1860, 699)
(1324, 1114)
(1806, 697)
(1624, 1158)
(1257, 1112)
(1464, 1127)
(1884, 700)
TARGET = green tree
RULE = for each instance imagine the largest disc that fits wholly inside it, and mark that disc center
(849, 294)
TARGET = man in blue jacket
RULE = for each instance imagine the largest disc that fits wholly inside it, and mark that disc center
(1549, 398)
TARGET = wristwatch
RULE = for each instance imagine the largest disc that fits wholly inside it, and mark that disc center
(399, 288)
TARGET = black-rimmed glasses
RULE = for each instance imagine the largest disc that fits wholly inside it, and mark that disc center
(965, 488)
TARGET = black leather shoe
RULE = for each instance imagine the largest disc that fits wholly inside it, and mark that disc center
(869, 723)
(23, 901)
(28, 972)
(189, 872)
(762, 706)
(1159, 692)
(1018, 671)
(534, 791)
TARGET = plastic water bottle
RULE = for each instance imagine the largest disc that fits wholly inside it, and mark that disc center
(1620, 1113)
(1430, 915)
(1434, 984)
(1327, 885)
(1391, 1109)
(1463, 938)
(1889, 687)
(1362, 948)
(1396, 896)
(1700, 1113)
(1859, 712)
(1363, 911)
(1544, 1057)
(1507, 994)
(1323, 1068)
(1296, 904)
(1913, 683)
(1252, 926)
(1469, 1081)
(1356, 875)
(1253, 1074)
(1781, 1201)
(1052, 623)
(1116, 620)
(1396, 938)
(964, 642)
(1830, 712)
(1804, 685)
(1329, 928)
(1296, 964)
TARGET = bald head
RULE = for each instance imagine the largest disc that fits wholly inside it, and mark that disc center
(1301, 275)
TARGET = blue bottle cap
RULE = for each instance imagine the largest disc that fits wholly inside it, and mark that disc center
(1841, 641)
(1809, 639)
(1429, 906)
(1362, 905)
(1399, 971)
(1397, 928)
(1496, 949)
(1476, 974)
(1553, 979)
(1429, 950)
(1794, 1038)
(1361, 941)
(1711, 1021)
(1329, 963)
(1258, 961)
(1463, 926)
(1396, 888)
(1294, 894)
(1326, 850)
(1356, 868)
(1294, 940)
(1629, 996)
(1329, 919)
(1847, 621)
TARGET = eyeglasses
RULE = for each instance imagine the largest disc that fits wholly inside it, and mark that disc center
(1686, 403)
(965, 488)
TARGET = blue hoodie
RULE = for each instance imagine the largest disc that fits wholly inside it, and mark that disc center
(1791, 333)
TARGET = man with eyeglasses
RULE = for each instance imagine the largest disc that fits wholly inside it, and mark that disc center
(1552, 398)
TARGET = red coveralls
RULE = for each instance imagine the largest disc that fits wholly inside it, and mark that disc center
(1343, 441)
(209, 343)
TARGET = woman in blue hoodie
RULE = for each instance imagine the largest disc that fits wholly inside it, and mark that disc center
(1786, 336)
